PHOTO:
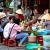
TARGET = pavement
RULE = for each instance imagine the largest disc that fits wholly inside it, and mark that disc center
(3, 47)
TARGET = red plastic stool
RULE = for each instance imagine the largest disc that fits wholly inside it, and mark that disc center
(11, 43)
(5, 42)
(40, 40)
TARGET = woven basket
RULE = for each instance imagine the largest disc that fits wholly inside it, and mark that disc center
(31, 39)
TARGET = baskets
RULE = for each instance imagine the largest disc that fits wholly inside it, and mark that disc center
(31, 39)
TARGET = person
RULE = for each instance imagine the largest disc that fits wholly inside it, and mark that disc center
(27, 13)
(36, 14)
(1, 30)
(19, 13)
(11, 30)
(19, 16)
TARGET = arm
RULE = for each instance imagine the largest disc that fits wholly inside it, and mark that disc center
(19, 28)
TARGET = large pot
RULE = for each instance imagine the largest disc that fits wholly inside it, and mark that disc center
(32, 39)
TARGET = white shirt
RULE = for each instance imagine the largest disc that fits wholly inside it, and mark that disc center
(7, 30)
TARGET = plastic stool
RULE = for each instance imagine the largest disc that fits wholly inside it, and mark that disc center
(5, 42)
(11, 43)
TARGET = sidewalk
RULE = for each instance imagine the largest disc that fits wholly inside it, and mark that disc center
(2, 47)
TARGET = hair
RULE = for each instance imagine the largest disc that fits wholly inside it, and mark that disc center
(12, 17)
(15, 20)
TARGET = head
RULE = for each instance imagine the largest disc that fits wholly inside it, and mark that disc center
(11, 19)
(18, 13)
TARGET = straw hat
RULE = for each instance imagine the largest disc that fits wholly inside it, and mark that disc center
(19, 11)
(2, 15)
(46, 17)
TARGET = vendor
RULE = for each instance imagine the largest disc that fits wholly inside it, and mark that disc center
(19, 14)
(11, 29)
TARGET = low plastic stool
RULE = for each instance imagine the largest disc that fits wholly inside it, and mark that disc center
(11, 43)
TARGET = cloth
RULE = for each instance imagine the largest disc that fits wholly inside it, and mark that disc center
(7, 29)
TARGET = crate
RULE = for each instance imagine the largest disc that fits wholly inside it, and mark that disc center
(11, 43)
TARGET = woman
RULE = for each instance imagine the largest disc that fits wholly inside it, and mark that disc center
(11, 30)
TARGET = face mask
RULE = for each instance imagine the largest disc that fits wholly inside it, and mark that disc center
(34, 28)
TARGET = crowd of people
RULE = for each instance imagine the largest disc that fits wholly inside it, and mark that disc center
(17, 27)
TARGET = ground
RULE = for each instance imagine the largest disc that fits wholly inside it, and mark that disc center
(3, 47)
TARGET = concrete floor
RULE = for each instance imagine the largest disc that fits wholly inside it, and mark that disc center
(2, 47)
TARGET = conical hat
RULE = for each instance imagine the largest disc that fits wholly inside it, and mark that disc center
(46, 17)
(2, 15)
(19, 11)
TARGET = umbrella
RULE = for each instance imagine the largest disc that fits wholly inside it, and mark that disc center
(46, 17)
